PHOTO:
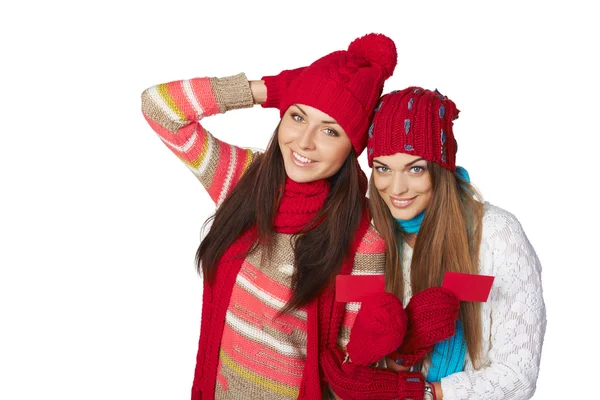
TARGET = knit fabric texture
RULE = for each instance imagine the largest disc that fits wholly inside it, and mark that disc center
(351, 381)
(414, 121)
(378, 330)
(432, 314)
(412, 225)
(277, 86)
(299, 205)
(513, 320)
(246, 349)
(345, 84)
(448, 357)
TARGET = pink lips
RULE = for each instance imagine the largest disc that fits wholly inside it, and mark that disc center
(401, 203)
(300, 160)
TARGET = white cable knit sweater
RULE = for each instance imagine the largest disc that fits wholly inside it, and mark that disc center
(514, 317)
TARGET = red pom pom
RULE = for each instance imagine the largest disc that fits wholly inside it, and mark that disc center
(378, 49)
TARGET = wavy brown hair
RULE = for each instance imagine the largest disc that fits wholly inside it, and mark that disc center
(318, 253)
(449, 239)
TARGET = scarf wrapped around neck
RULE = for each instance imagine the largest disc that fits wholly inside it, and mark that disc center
(300, 203)
(299, 206)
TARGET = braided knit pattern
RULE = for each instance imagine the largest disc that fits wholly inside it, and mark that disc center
(346, 84)
(246, 350)
(432, 314)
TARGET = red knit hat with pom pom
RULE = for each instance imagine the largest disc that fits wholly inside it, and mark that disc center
(346, 84)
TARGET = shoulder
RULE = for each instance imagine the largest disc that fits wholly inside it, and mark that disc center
(498, 221)
(371, 242)
(504, 244)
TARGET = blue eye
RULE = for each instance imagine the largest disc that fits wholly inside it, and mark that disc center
(297, 118)
(382, 169)
(417, 169)
(331, 132)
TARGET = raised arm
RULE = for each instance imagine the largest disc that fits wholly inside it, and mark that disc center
(173, 110)
(518, 320)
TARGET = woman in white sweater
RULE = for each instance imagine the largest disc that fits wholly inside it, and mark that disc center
(434, 221)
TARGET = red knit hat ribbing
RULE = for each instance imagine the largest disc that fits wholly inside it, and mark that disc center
(414, 121)
(346, 84)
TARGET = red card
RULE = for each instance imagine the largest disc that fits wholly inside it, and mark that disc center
(468, 287)
(350, 288)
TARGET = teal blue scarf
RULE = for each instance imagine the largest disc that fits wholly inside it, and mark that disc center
(448, 356)
(412, 225)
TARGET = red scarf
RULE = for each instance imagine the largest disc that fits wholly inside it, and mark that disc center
(299, 206)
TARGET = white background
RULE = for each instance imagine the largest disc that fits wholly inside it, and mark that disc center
(99, 222)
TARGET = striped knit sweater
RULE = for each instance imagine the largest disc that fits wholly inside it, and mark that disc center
(261, 356)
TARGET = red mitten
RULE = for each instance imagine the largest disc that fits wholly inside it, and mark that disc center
(357, 382)
(277, 86)
(378, 330)
(432, 315)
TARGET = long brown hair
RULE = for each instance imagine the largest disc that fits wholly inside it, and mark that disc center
(449, 239)
(318, 253)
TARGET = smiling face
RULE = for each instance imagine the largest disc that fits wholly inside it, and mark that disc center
(404, 183)
(313, 145)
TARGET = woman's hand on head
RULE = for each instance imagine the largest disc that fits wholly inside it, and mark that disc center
(259, 91)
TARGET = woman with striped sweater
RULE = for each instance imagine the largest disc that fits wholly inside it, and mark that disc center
(287, 221)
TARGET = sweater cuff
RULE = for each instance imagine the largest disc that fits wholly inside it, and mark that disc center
(232, 92)
(411, 385)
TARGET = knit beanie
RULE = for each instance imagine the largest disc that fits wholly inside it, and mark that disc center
(414, 121)
(346, 84)
(378, 329)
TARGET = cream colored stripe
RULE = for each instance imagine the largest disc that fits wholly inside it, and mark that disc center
(160, 101)
(186, 146)
(265, 297)
(259, 380)
(189, 92)
(208, 155)
(229, 176)
(357, 271)
(257, 335)
(352, 306)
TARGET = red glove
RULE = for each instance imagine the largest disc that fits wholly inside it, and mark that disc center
(432, 315)
(277, 86)
(378, 330)
(357, 382)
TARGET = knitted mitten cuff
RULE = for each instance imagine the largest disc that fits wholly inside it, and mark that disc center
(411, 385)
(277, 86)
(356, 382)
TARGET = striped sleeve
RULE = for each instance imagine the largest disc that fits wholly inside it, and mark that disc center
(174, 110)
(368, 260)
